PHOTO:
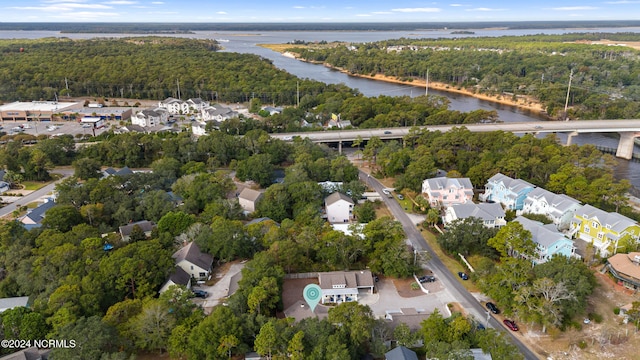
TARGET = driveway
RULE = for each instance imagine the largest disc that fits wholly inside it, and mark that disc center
(222, 289)
(387, 299)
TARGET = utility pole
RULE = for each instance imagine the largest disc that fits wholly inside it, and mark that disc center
(426, 88)
(178, 83)
(566, 102)
(297, 94)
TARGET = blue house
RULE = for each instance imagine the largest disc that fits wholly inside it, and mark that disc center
(509, 192)
(549, 240)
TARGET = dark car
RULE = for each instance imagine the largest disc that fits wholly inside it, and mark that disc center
(200, 293)
(427, 278)
(387, 132)
(463, 276)
(376, 278)
(510, 324)
(493, 308)
(480, 327)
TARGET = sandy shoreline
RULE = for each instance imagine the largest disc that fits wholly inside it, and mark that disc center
(522, 102)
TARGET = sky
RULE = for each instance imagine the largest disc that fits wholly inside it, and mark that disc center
(302, 11)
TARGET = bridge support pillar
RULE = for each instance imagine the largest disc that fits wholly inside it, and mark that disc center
(570, 137)
(625, 146)
(340, 147)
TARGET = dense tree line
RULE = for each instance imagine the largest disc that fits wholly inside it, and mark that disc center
(142, 68)
(604, 78)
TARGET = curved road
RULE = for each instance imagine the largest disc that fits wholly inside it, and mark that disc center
(37, 194)
(437, 266)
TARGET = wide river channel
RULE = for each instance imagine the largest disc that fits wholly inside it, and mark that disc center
(247, 42)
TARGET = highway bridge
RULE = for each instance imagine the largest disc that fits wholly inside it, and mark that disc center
(628, 130)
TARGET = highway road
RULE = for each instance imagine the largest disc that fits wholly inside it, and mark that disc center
(449, 280)
(591, 126)
(34, 196)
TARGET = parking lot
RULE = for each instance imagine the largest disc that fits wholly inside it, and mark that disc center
(50, 128)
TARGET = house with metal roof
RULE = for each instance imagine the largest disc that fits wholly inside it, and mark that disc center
(548, 239)
(609, 232)
(506, 191)
(446, 191)
(13, 302)
(560, 208)
(491, 214)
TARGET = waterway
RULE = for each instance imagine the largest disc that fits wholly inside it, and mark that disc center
(247, 42)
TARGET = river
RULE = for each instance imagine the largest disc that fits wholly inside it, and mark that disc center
(247, 42)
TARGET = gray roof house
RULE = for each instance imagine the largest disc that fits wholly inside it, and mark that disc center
(177, 277)
(507, 191)
(113, 172)
(145, 225)
(401, 353)
(13, 302)
(491, 214)
(34, 217)
(558, 207)
(193, 261)
(548, 239)
(32, 353)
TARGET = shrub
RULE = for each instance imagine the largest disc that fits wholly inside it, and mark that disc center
(616, 310)
(415, 286)
(582, 344)
(595, 317)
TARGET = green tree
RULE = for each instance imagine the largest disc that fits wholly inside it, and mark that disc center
(62, 218)
(152, 327)
(354, 321)
(93, 339)
(86, 168)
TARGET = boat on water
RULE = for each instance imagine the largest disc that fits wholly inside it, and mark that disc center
(222, 40)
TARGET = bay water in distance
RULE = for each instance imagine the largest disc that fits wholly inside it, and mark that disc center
(249, 41)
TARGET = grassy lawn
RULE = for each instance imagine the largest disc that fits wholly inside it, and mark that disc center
(452, 264)
(33, 185)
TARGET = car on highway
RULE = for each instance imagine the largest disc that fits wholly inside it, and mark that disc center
(510, 324)
(463, 275)
(493, 308)
(538, 127)
(86, 125)
(386, 192)
(387, 132)
(200, 293)
(426, 278)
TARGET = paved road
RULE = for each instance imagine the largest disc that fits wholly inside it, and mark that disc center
(24, 200)
(443, 274)
(590, 126)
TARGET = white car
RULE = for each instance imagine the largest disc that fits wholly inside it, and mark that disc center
(52, 128)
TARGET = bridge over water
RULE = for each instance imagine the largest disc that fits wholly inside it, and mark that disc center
(627, 129)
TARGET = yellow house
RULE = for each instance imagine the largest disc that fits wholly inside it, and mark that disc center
(609, 232)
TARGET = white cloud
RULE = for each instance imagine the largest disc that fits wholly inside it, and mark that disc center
(298, 7)
(413, 10)
(120, 2)
(382, 12)
(86, 15)
(457, 5)
(63, 7)
(222, 13)
(363, 15)
(574, 8)
(622, 2)
(484, 9)
(157, 3)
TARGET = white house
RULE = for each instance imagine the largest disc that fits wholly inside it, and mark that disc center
(149, 117)
(344, 286)
(339, 208)
(448, 191)
(193, 261)
(558, 207)
(217, 113)
(248, 199)
(492, 214)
